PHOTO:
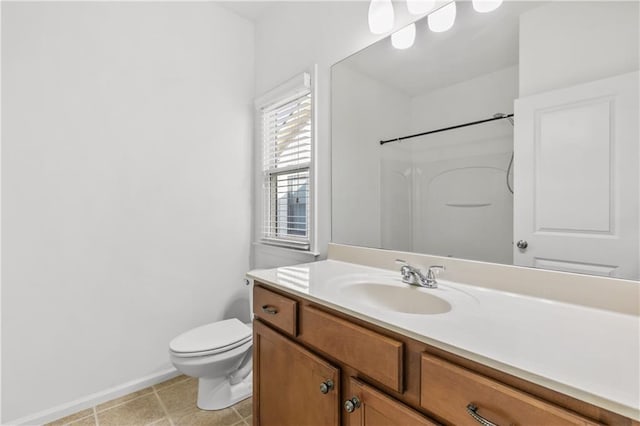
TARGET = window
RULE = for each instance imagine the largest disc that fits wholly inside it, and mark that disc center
(287, 137)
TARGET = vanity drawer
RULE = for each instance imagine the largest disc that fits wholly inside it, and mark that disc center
(374, 355)
(447, 390)
(272, 308)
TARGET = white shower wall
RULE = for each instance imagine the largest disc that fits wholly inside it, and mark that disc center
(448, 191)
(397, 200)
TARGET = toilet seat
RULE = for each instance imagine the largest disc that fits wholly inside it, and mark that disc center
(210, 339)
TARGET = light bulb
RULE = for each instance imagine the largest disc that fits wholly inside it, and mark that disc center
(380, 16)
(404, 38)
(484, 6)
(442, 19)
(420, 7)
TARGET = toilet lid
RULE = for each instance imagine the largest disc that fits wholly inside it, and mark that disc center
(228, 333)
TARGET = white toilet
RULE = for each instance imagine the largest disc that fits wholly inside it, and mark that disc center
(219, 355)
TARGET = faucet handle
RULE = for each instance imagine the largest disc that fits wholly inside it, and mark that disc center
(405, 268)
(433, 272)
(406, 271)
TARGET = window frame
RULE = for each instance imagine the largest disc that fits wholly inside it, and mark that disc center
(289, 91)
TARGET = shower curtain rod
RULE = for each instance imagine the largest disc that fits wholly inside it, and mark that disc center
(444, 129)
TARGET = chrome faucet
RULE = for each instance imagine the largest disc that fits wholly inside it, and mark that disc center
(413, 276)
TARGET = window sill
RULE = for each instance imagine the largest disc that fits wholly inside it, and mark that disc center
(285, 248)
(303, 255)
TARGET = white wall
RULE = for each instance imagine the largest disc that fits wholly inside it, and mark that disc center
(469, 100)
(364, 111)
(126, 181)
(568, 43)
(289, 39)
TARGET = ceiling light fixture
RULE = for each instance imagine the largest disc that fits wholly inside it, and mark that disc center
(420, 7)
(442, 19)
(484, 6)
(380, 16)
(404, 38)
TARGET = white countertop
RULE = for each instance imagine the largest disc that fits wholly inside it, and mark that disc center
(590, 354)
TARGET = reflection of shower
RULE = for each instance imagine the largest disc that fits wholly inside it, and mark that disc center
(408, 175)
(498, 115)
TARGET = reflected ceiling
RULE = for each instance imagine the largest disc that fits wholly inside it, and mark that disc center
(491, 41)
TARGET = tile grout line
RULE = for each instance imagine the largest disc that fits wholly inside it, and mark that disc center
(164, 408)
(153, 390)
(155, 387)
(240, 423)
(155, 422)
(244, 419)
(233, 407)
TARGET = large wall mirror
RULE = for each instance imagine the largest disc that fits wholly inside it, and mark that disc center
(554, 186)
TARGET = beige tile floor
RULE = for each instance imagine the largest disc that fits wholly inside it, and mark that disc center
(171, 403)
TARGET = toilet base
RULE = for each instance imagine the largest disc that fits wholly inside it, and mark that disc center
(219, 393)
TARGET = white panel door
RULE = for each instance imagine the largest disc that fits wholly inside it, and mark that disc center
(576, 178)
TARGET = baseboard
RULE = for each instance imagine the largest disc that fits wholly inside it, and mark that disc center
(92, 400)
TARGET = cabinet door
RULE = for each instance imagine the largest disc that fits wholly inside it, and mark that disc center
(292, 386)
(367, 406)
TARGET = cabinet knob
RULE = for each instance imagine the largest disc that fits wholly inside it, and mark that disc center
(522, 244)
(326, 386)
(350, 405)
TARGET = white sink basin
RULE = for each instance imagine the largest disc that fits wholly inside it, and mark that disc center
(408, 300)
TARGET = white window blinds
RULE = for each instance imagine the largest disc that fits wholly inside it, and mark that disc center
(287, 139)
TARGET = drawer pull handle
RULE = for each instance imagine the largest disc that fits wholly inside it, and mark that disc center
(271, 310)
(473, 412)
(350, 405)
(326, 386)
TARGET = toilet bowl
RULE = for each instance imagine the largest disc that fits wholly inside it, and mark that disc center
(219, 355)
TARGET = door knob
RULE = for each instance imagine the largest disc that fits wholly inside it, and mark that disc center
(522, 244)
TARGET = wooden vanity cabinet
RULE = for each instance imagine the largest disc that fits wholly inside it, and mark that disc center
(372, 354)
(309, 361)
(476, 398)
(278, 311)
(367, 406)
(292, 386)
